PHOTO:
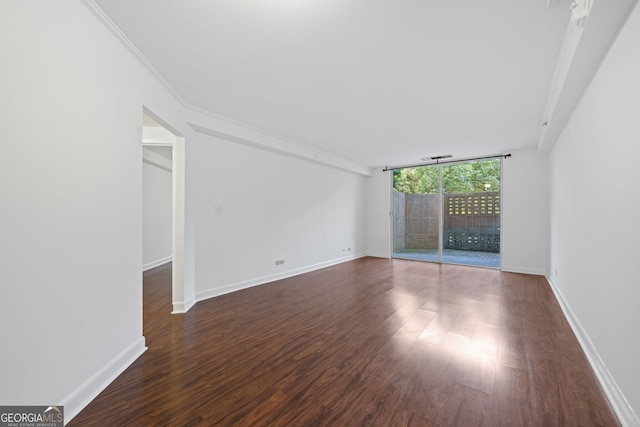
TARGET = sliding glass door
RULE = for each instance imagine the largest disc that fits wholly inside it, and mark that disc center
(448, 213)
(416, 213)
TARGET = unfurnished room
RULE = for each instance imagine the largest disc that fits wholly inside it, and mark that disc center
(319, 212)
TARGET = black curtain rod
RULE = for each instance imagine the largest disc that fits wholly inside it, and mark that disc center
(438, 162)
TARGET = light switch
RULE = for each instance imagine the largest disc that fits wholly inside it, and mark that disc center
(219, 209)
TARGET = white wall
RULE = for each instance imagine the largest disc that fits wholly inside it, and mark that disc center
(156, 206)
(379, 214)
(595, 205)
(525, 212)
(71, 211)
(274, 207)
(71, 220)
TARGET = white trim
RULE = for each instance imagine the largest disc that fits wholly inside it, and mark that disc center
(178, 187)
(111, 26)
(179, 292)
(208, 123)
(523, 270)
(156, 263)
(259, 139)
(624, 411)
(183, 307)
(156, 142)
(379, 255)
(215, 292)
(83, 395)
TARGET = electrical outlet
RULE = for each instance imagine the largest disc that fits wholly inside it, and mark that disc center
(219, 208)
(349, 249)
(279, 261)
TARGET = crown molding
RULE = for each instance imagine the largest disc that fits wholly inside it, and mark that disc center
(208, 123)
(113, 28)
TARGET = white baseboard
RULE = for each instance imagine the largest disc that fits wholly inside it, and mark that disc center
(215, 292)
(83, 395)
(523, 270)
(183, 307)
(156, 263)
(379, 254)
(624, 411)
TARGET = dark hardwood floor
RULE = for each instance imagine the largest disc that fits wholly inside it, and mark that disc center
(371, 342)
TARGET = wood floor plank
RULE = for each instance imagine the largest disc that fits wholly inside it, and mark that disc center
(371, 342)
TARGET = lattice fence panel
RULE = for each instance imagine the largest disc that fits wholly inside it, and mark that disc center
(472, 221)
(473, 204)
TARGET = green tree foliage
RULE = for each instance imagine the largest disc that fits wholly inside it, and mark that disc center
(463, 177)
(420, 180)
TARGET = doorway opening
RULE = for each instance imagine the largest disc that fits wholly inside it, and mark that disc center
(157, 203)
(163, 155)
(448, 213)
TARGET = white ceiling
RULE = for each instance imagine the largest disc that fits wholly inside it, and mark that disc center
(378, 82)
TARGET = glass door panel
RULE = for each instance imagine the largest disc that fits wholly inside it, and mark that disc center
(416, 213)
(448, 213)
(471, 213)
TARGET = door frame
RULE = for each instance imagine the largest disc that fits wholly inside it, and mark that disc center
(441, 198)
(178, 174)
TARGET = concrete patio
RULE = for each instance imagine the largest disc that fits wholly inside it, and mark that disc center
(452, 256)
